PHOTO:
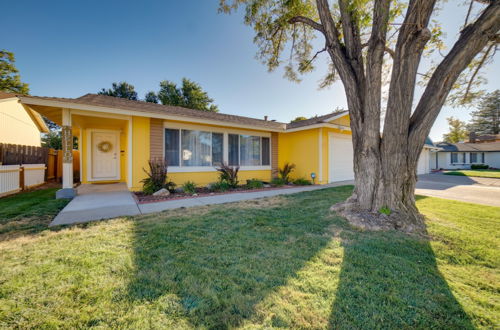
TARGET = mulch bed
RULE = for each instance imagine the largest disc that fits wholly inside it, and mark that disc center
(200, 192)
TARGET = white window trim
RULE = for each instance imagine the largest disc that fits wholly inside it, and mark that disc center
(225, 146)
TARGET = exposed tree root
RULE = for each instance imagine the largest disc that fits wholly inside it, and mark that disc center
(404, 222)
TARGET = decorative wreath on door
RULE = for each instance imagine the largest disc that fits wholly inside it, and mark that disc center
(105, 146)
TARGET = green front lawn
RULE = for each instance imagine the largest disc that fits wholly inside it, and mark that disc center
(477, 173)
(279, 262)
(28, 212)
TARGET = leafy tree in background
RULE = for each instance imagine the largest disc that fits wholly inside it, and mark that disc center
(10, 80)
(298, 119)
(458, 131)
(189, 95)
(368, 45)
(486, 119)
(122, 89)
(151, 97)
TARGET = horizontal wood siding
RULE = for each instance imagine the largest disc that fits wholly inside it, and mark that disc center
(156, 138)
(274, 155)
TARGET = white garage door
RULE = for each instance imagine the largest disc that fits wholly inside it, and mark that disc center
(340, 158)
(423, 166)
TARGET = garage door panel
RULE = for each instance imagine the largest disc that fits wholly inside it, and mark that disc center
(341, 160)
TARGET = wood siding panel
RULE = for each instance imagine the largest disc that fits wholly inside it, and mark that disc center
(274, 155)
(156, 138)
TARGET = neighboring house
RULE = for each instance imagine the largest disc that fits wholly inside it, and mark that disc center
(18, 123)
(118, 137)
(463, 155)
(473, 138)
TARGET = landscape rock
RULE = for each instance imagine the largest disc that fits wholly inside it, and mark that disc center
(162, 192)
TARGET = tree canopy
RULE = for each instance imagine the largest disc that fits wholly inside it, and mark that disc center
(457, 131)
(486, 119)
(189, 95)
(121, 89)
(10, 79)
(298, 119)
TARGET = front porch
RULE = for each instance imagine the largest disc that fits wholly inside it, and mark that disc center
(104, 142)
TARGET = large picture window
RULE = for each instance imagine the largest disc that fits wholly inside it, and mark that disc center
(190, 148)
(249, 150)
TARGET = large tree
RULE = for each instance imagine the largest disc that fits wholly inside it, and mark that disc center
(486, 119)
(10, 80)
(457, 130)
(121, 89)
(189, 95)
(363, 39)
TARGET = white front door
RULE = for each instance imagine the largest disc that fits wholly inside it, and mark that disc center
(105, 155)
(340, 158)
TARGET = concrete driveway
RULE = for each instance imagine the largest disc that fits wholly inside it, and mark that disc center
(462, 188)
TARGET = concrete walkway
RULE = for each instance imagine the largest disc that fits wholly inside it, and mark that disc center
(97, 202)
(230, 198)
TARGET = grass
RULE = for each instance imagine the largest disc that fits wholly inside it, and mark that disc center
(28, 212)
(280, 262)
(476, 173)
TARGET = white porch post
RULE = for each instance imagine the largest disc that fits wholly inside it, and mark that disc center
(67, 190)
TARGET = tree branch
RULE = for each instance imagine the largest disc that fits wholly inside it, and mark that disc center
(471, 41)
(476, 71)
(307, 21)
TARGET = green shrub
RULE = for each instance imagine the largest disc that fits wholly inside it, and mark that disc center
(285, 172)
(228, 174)
(479, 167)
(385, 210)
(277, 182)
(189, 187)
(255, 184)
(220, 186)
(302, 182)
(156, 177)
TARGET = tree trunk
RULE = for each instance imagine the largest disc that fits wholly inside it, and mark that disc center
(383, 197)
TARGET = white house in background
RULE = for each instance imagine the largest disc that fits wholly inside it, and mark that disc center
(18, 123)
(463, 155)
(424, 165)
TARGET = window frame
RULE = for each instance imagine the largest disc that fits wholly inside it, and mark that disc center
(225, 147)
(470, 157)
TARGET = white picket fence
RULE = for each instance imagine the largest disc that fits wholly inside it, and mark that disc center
(10, 180)
(34, 175)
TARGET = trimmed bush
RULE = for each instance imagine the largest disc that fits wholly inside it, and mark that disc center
(277, 182)
(255, 184)
(479, 167)
(220, 186)
(302, 182)
(189, 187)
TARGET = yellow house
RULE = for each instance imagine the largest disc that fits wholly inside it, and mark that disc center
(18, 123)
(117, 137)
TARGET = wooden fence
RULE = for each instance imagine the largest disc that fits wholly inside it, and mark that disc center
(23, 167)
(15, 154)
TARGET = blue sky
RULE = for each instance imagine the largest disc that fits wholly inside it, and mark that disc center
(69, 48)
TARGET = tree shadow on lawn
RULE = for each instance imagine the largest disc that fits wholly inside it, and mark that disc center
(391, 280)
(212, 265)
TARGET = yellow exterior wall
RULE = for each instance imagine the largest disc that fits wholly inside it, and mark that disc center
(301, 149)
(16, 125)
(204, 178)
(140, 150)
